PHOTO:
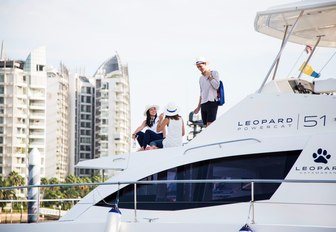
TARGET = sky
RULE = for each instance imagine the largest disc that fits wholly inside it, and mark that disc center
(158, 40)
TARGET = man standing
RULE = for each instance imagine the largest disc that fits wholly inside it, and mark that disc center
(209, 83)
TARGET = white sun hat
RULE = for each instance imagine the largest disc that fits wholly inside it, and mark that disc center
(201, 60)
(150, 106)
(171, 109)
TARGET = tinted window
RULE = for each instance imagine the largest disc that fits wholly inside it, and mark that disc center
(175, 196)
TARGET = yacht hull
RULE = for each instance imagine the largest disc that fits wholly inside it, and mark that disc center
(154, 227)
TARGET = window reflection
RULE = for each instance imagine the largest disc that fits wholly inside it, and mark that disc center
(174, 196)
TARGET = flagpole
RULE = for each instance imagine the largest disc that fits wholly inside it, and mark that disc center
(305, 64)
(2, 57)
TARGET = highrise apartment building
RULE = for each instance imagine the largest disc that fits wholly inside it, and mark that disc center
(68, 118)
(22, 112)
(58, 123)
(100, 114)
(112, 119)
(82, 91)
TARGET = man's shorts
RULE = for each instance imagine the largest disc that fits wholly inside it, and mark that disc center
(209, 111)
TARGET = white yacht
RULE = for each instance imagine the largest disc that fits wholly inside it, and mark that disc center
(268, 163)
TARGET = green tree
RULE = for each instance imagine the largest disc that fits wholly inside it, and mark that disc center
(72, 179)
(44, 181)
(15, 179)
(97, 179)
(71, 192)
(5, 194)
(51, 192)
(66, 192)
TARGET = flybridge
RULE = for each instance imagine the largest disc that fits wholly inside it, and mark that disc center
(306, 23)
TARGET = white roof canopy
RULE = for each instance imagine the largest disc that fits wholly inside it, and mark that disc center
(318, 19)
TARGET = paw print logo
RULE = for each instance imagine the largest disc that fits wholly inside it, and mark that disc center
(321, 156)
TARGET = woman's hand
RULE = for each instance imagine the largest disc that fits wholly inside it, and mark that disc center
(133, 135)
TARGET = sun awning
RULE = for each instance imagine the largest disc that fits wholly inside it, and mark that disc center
(318, 19)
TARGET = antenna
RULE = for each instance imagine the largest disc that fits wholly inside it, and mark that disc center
(1, 52)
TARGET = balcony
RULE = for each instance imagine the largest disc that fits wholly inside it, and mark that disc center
(37, 106)
(37, 96)
(37, 125)
(21, 96)
(121, 109)
(37, 116)
(37, 135)
(119, 89)
(36, 144)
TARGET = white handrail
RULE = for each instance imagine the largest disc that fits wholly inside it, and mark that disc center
(171, 181)
(220, 143)
(251, 181)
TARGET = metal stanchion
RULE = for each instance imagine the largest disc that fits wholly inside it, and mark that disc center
(21, 208)
(11, 212)
(135, 204)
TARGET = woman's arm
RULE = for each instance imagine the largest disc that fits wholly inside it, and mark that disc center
(161, 127)
(183, 130)
(140, 128)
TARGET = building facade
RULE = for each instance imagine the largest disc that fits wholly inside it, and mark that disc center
(82, 91)
(58, 123)
(112, 129)
(67, 117)
(22, 112)
(100, 114)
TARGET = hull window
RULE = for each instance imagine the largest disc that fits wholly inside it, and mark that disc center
(180, 196)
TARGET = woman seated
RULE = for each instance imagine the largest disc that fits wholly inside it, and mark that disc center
(151, 134)
(175, 125)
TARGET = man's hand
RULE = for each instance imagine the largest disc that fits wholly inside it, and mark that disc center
(197, 110)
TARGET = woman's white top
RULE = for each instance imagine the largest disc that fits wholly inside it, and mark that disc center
(174, 134)
(155, 124)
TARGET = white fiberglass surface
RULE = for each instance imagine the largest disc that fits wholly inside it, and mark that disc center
(318, 20)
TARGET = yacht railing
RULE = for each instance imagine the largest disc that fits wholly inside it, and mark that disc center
(221, 143)
(55, 212)
(251, 215)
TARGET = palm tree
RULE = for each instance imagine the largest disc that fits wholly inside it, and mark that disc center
(6, 194)
(72, 192)
(2, 195)
(15, 179)
(51, 192)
